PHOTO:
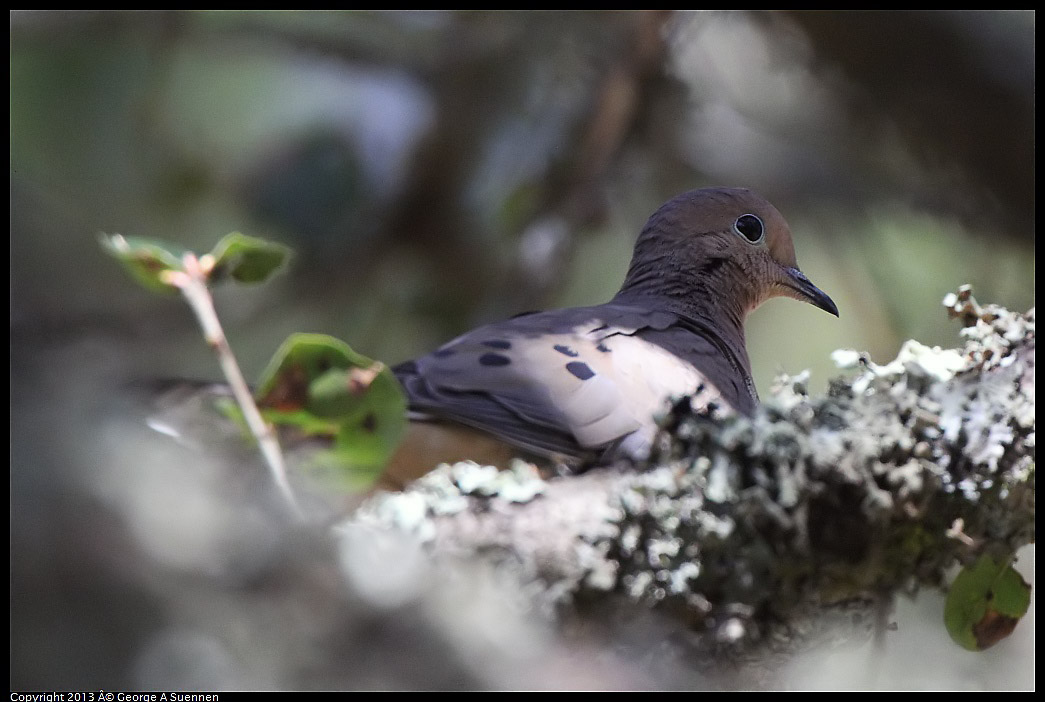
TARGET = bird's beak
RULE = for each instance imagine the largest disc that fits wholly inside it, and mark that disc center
(801, 288)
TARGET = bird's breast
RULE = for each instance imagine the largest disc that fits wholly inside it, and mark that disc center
(649, 377)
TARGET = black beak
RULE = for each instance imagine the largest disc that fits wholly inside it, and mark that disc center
(803, 289)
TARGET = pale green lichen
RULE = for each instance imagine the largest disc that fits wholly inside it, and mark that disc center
(912, 444)
(739, 523)
(406, 512)
(445, 491)
(520, 483)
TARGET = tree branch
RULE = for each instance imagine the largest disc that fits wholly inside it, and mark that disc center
(747, 530)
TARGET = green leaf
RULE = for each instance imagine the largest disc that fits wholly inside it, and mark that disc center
(302, 420)
(247, 259)
(145, 259)
(300, 360)
(985, 603)
(319, 385)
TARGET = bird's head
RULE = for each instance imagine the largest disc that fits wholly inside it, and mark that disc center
(719, 250)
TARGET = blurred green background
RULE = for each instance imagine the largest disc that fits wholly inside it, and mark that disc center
(437, 170)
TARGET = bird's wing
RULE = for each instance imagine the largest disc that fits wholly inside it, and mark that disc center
(568, 382)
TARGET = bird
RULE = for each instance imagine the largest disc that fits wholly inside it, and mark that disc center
(585, 384)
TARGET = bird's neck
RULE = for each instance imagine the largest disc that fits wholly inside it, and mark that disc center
(723, 331)
(702, 295)
(724, 328)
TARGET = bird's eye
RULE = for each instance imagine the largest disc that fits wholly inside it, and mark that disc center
(750, 227)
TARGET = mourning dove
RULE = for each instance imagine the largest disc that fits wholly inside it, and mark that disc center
(582, 383)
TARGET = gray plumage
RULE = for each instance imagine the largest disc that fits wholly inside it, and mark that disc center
(583, 381)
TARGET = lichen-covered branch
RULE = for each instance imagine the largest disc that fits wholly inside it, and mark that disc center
(740, 527)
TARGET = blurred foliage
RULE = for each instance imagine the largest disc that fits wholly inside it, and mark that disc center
(321, 387)
(440, 169)
(985, 603)
(435, 170)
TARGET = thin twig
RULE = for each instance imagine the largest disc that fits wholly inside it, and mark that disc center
(192, 282)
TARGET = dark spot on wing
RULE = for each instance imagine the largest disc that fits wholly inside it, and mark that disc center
(604, 348)
(580, 369)
(443, 353)
(494, 359)
(369, 423)
(498, 343)
(566, 350)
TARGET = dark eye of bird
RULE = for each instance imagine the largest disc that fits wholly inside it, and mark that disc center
(750, 227)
